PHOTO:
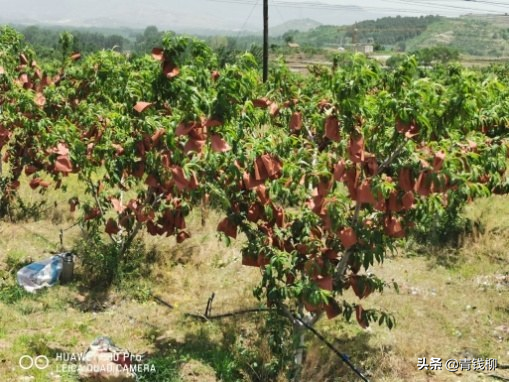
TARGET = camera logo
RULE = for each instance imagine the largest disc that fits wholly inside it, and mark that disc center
(27, 362)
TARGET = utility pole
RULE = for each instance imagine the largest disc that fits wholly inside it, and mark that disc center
(265, 40)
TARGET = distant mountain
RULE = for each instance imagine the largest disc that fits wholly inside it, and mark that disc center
(302, 25)
(188, 15)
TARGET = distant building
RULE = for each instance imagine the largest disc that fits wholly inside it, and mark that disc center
(363, 48)
(293, 45)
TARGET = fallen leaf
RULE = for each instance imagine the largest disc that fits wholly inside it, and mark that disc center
(73, 202)
(394, 205)
(170, 70)
(218, 144)
(356, 149)
(179, 178)
(30, 169)
(255, 212)
(339, 170)
(185, 128)
(111, 227)
(157, 135)
(61, 149)
(182, 235)
(158, 54)
(393, 227)
(408, 200)
(228, 228)
(273, 109)
(117, 205)
(34, 183)
(324, 282)
(92, 214)
(273, 165)
(63, 164)
(194, 145)
(75, 56)
(141, 106)
(263, 194)
(360, 316)
(212, 123)
(423, 183)
(119, 150)
(261, 102)
(364, 193)
(438, 160)
(405, 179)
(23, 59)
(348, 237)
(249, 261)
(332, 128)
(296, 122)
(332, 309)
(250, 181)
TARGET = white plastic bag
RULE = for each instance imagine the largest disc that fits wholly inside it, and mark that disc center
(44, 273)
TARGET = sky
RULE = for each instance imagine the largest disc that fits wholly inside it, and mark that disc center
(228, 14)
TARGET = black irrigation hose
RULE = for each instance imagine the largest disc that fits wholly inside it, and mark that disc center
(225, 315)
(342, 356)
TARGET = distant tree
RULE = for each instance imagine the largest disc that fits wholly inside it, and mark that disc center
(288, 37)
(395, 60)
(66, 42)
(401, 47)
(114, 41)
(150, 38)
(437, 54)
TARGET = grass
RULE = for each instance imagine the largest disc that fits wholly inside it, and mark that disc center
(446, 309)
(450, 305)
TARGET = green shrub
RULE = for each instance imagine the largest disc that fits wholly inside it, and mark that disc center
(103, 265)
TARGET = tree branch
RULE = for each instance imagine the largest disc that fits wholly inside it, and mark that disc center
(96, 198)
(343, 263)
(137, 227)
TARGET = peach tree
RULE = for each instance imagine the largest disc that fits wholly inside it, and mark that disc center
(324, 174)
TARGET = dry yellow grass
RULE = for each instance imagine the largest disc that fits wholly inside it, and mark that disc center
(452, 304)
(449, 306)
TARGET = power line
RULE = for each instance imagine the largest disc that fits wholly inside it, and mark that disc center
(247, 20)
(355, 9)
(278, 11)
(431, 3)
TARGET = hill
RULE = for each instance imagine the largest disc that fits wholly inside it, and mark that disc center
(473, 35)
(302, 25)
(383, 31)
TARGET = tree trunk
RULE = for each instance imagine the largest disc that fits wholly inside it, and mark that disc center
(300, 351)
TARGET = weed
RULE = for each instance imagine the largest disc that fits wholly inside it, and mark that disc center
(103, 266)
(11, 293)
(161, 369)
(24, 211)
